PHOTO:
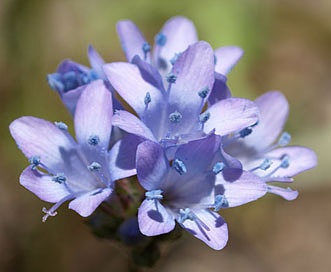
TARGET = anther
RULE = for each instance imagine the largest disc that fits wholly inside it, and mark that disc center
(175, 117)
(220, 202)
(34, 161)
(265, 165)
(171, 78)
(59, 178)
(204, 92)
(93, 140)
(61, 125)
(245, 132)
(154, 194)
(175, 58)
(146, 47)
(285, 163)
(147, 98)
(218, 167)
(94, 166)
(179, 166)
(284, 139)
(204, 117)
(160, 39)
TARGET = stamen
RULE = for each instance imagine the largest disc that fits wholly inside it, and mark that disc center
(218, 167)
(245, 132)
(179, 166)
(147, 99)
(204, 92)
(94, 166)
(61, 125)
(204, 117)
(34, 161)
(175, 58)
(171, 77)
(185, 214)
(93, 140)
(220, 202)
(265, 164)
(59, 178)
(284, 139)
(154, 195)
(146, 49)
(175, 117)
(160, 39)
(285, 162)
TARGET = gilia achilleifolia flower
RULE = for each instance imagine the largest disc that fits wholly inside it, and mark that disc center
(62, 169)
(264, 150)
(191, 190)
(170, 109)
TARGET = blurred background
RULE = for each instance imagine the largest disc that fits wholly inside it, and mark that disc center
(287, 47)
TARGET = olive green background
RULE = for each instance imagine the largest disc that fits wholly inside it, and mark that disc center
(287, 47)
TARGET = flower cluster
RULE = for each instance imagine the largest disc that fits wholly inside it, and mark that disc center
(193, 147)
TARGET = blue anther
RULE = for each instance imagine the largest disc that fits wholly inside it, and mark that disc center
(265, 164)
(245, 132)
(220, 202)
(285, 163)
(179, 166)
(175, 117)
(171, 78)
(284, 139)
(204, 92)
(93, 75)
(185, 214)
(61, 125)
(147, 98)
(154, 194)
(55, 82)
(160, 39)
(59, 178)
(34, 161)
(218, 167)
(204, 117)
(93, 140)
(175, 58)
(94, 166)
(146, 47)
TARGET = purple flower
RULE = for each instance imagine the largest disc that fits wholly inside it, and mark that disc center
(185, 190)
(71, 78)
(62, 169)
(173, 39)
(263, 150)
(170, 108)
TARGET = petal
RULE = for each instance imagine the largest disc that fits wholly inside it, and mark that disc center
(93, 114)
(68, 65)
(195, 72)
(130, 123)
(300, 159)
(226, 58)
(96, 61)
(210, 228)
(248, 187)
(286, 193)
(220, 90)
(87, 203)
(70, 98)
(128, 81)
(122, 157)
(154, 219)
(274, 109)
(149, 73)
(230, 115)
(43, 186)
(199, 155)
(179, 33)
(38, 137)
(132, 40)
(152, 165)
